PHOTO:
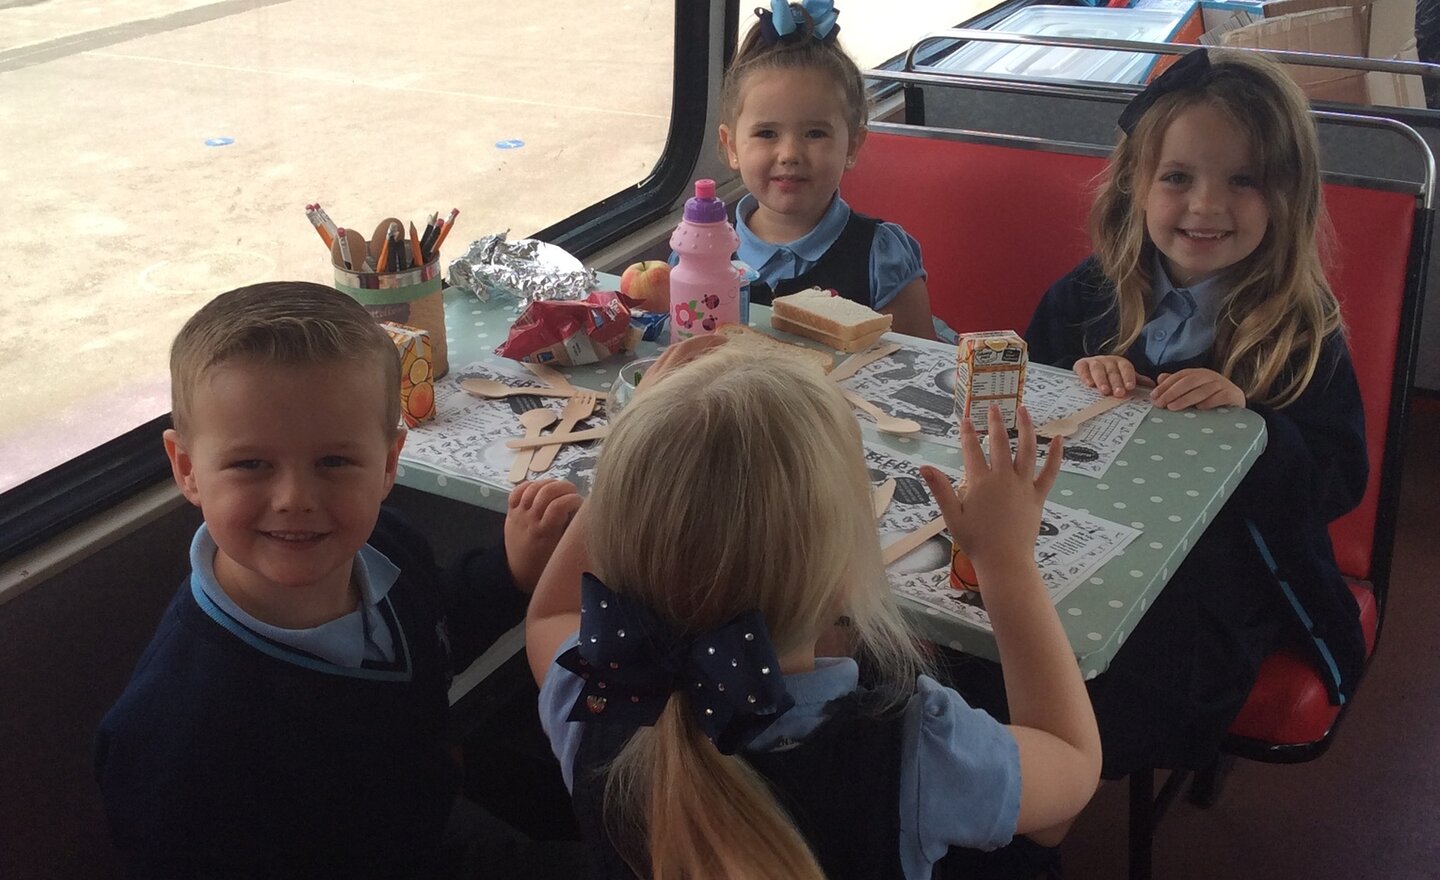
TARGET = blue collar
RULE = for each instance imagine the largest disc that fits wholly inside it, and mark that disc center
(832, 678)
(1202, 299)
(809, 247)
(336, 646)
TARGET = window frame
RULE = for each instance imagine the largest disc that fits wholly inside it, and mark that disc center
(52, 502)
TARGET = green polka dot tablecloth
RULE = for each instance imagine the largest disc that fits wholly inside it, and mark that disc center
(1168, 481)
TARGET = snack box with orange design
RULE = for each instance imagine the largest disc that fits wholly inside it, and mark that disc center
(417, 379)
(989, 368)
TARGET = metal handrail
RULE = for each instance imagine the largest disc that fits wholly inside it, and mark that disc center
(1122, 92)
(1285, 56)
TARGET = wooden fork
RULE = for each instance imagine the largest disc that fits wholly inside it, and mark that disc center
(577, 409)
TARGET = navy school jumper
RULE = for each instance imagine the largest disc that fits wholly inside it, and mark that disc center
(1313, 470)
(220, 760)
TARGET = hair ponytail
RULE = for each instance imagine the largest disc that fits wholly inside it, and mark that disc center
(706, 816)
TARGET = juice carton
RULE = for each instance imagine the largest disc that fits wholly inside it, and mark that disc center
(989, 368)
(417, 378)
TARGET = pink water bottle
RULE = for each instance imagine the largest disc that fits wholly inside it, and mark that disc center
(704, 286)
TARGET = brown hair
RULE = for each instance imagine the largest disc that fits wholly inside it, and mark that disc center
(279, 322)
(737, 483)
(1278, 307)
(805, 53)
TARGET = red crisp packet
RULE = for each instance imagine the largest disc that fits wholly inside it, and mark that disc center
(570, 332)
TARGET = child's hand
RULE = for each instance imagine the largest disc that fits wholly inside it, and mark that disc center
(997, 518)
(1109, 374)
(1197, 387)
(677, 356)
(538, 513)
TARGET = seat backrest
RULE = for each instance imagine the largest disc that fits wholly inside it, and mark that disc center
(1368, 270)
(998, 224)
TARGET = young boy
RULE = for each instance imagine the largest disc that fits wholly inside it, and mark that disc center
(289, 716)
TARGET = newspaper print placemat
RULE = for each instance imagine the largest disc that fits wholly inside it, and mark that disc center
(1071, 546)
(919, 383)
(467, 437)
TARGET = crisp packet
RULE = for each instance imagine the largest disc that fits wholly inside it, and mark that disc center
(529, 269)
(652, 325)
(570, 333)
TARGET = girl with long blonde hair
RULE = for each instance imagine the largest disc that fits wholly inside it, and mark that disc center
(729, 527)
(1206, 287)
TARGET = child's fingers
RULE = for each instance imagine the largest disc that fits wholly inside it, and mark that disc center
(548, 490)
(1025, 443)
(678, 355)
(522, 496)
(558, 513)
(943, 493)
(999, 440)
(1051, 470)
(972, 458)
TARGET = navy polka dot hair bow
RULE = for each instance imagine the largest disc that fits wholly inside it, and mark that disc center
(631, 662)
(1183, 74)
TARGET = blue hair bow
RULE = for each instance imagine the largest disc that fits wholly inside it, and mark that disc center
(781, 22)
(1183, 74)
(631, 662)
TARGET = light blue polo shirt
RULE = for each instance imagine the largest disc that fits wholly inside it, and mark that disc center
(346, 641)
(1182, 326)
(959, 767)
(894, 255)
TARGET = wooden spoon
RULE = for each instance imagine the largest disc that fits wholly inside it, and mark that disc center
(534, 421)
(882, 496)
(1068, 425)
(901, 546)
(883, 420)
(489, 388)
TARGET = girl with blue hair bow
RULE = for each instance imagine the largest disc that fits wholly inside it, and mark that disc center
(704, 722)
(794, 111)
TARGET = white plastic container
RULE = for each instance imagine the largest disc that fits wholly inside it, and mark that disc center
(1060, 63)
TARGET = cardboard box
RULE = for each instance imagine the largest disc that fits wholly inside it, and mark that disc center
(417, 375)
(1395, 89)
(1380, 29)
(1335, 31)
(989, 368)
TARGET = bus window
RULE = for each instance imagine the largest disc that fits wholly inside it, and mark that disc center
(154, 161)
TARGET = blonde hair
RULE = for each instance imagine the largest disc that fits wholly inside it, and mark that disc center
(737, 483)
(806, 53)
(279, 322)
(1278, 307)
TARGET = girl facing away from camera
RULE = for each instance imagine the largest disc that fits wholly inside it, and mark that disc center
(1206, 288)
(702, 733)
(794, 110)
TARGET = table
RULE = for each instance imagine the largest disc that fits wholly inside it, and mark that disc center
(1169, 481)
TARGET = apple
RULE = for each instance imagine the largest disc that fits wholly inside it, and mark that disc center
(648, 282)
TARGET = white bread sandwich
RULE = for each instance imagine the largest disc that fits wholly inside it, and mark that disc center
(739, 334)
(825, 317)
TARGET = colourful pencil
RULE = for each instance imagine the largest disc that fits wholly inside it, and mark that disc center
(445, 230)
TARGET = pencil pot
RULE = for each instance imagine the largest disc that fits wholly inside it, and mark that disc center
(410, 296)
